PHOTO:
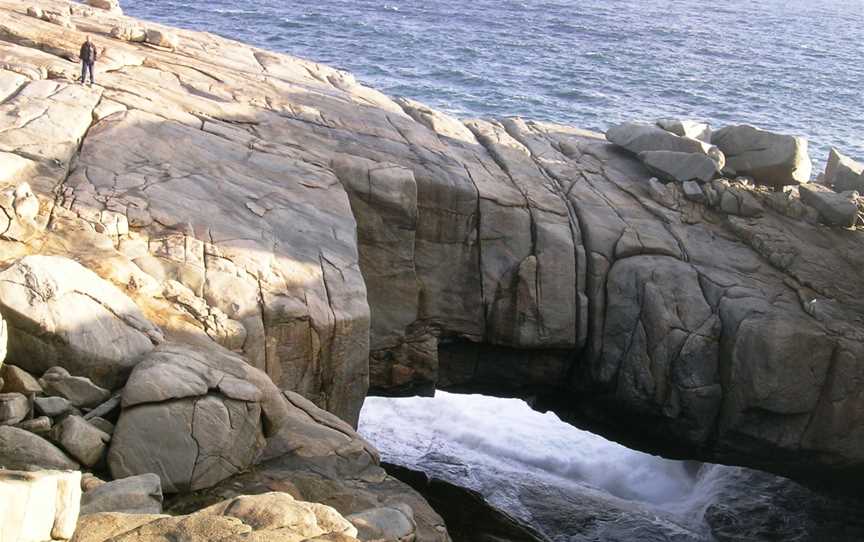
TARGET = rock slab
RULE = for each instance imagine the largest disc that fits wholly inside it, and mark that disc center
(61, 314)
(770, 158)
(39, 506)
(134, 495)
(23, 450)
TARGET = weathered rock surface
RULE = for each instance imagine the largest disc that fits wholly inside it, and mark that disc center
(512, 256)
(110, 5)
(640, 137)
(53, 406)
(680, 166)
(193, 416)
(844, 174)
(14, 407)
(18, 380)
(687, 128)
(81, 440)
(22, 450)
(772, 159)
(271, 516)
(834, 209)
(39, 506)
(60, 313)
(78, 390)
(316, 456)
(40, 426)
(133, 495)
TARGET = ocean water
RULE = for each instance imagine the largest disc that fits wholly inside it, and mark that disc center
(575, 486)
(795, 66)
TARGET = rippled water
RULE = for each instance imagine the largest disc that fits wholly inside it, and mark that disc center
(796, 66)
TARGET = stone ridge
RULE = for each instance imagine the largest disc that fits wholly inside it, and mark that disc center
(333, 235)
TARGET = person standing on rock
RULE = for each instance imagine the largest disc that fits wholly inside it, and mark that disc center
(88, 59)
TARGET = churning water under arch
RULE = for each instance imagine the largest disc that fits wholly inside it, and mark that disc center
(573, 485)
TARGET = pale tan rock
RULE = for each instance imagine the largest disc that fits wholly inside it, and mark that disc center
(39, 506)
(77, 320)
(90, 482)
(162, 38)
(109, 5)
(269, 517)
(19, 381)
(14, 407)
(390, 523)
(129, 33)
(101, 527)
(40, 426)
(310, 210)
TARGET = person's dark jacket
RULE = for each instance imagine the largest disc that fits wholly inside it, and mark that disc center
(88, 52)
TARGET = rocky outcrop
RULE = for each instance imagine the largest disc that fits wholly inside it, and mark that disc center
(208, 411)
(326, 233)
(834, 209)
(39, 506)
(843, 174)
(271, 516)
(772, 159)
(60, 312)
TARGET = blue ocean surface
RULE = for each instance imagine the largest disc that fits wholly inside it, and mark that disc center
(795, 66)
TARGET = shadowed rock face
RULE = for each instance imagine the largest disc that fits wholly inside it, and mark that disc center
(329, 233)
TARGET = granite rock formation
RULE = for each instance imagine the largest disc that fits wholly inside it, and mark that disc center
(328, 235)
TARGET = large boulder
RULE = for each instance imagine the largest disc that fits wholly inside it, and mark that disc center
(109, 5)
(39, 506)
(134, 495)
(772, 159)
(193, 416)
(687, 128)
(22, 450)
(315, 456)
(639, 137)
(162, 38)
(844, 174)
(61, 314)
(271, 516)
(680, 166)
(834, 209)
(78, 390)
(81, 440)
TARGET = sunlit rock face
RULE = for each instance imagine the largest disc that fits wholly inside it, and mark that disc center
(337, 238)
(570, 485)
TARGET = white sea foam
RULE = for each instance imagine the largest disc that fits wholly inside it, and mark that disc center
(508, 434)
